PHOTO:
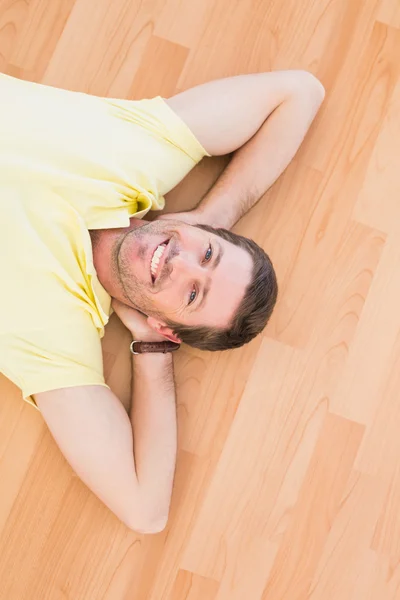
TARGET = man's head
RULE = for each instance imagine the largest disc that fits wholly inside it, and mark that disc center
(210, 288)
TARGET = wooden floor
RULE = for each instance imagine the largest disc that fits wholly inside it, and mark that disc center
(288, 474)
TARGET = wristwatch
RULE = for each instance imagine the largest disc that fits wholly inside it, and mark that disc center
(137, 347)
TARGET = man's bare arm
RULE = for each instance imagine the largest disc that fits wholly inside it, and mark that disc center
(264, 118)
(129, 463)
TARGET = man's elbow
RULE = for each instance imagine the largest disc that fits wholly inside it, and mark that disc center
(146, 527)
(311, 86)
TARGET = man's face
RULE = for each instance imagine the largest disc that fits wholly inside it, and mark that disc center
(179, 272)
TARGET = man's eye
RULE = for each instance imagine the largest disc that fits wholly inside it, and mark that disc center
(209, 254)
(192, 296)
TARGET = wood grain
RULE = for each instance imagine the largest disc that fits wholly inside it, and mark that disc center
(288, 482)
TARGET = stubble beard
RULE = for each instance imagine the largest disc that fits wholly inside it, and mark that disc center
(135, 291)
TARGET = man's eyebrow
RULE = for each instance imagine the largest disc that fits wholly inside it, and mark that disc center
(214, 265)
(204, 296)
(217, 259)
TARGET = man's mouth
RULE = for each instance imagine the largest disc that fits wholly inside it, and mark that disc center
(158, 260)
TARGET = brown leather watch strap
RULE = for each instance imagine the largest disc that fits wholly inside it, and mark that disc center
(137, 347)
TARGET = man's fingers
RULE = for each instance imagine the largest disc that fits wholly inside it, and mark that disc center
(116, 304)
(190, 217)
(127, 314)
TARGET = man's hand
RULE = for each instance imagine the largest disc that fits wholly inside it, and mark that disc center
(192, 217)
(136, 322)
(197, 216)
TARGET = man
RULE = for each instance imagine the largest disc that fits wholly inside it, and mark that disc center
(77, 176)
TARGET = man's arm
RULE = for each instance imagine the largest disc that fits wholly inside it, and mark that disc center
(264, 118)
(129, 463)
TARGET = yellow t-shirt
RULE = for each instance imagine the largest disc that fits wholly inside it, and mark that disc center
(70, 162)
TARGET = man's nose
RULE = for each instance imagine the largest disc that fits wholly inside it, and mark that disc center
(187, 263)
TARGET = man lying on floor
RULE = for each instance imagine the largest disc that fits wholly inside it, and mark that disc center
(78, 174)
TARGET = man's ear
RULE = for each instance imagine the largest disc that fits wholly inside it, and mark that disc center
(163, 329)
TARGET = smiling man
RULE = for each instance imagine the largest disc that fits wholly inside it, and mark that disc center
(209, 288)
(77, 175)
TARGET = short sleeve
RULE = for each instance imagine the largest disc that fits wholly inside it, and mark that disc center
(47, 358)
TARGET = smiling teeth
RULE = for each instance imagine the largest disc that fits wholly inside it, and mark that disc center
(156, 258)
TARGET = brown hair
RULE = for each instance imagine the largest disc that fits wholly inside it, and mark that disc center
(254, 310)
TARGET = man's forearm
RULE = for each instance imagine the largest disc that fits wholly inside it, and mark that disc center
(259, 163)
(154, 424)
